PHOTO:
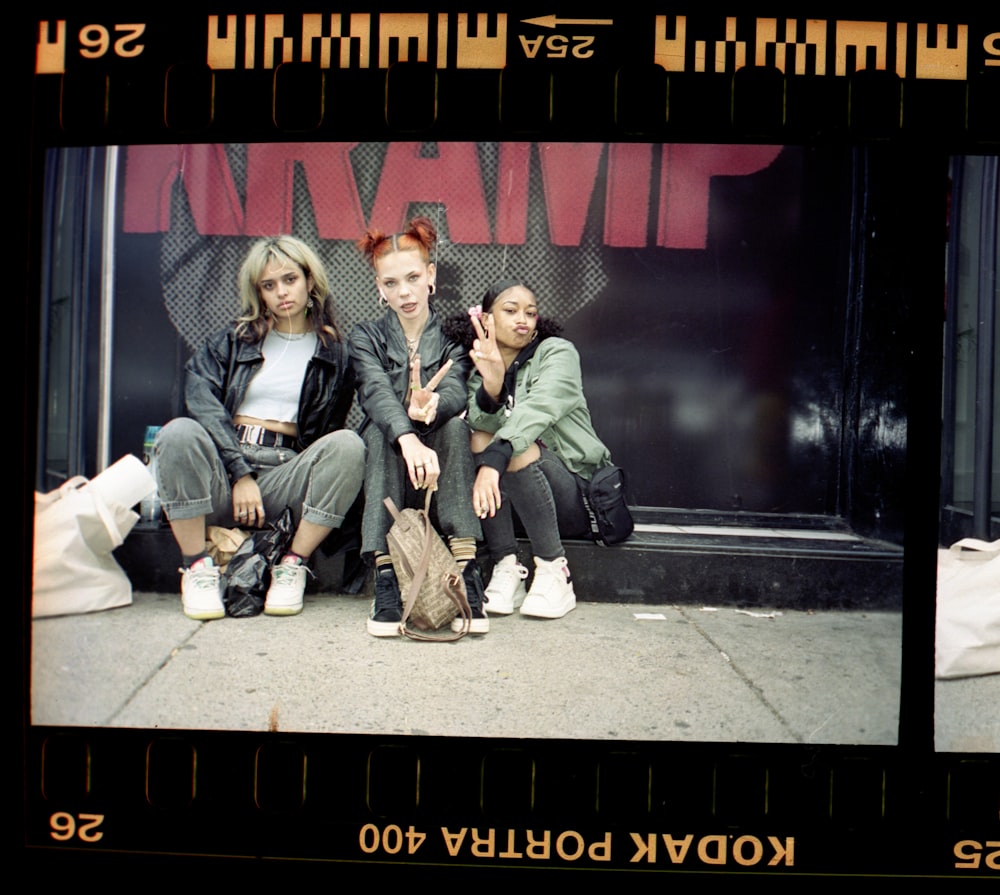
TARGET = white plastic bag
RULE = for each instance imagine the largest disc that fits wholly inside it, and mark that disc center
(968, 609)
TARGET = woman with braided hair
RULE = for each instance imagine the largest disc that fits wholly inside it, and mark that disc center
(534, 446)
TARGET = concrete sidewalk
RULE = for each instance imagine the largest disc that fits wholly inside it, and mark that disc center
(606, 671)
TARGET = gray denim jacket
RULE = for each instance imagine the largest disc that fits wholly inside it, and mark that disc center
(382, 371)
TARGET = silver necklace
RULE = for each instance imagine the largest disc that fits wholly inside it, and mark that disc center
(411, 347)
(290, 337)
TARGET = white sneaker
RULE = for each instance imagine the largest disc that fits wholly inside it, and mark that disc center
(201, 590)
(505, 592)
(288, 584)
(551, 594)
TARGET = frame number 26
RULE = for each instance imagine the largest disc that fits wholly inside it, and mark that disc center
(64, 826)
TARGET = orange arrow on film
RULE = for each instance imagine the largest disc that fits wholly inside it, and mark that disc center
(552, 21)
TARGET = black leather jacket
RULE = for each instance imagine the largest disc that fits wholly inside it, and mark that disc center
(382, 369)
(217, 379)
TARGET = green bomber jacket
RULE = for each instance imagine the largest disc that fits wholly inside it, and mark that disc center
(542, 400)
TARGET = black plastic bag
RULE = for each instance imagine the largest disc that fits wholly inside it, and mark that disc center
(249, 572)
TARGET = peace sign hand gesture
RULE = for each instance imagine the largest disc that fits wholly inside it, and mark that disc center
(423, 399)
(486, 355)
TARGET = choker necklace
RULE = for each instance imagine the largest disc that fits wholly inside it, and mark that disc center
(290, 337)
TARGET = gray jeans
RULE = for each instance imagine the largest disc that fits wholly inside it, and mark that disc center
(385, 476)
(319, 484)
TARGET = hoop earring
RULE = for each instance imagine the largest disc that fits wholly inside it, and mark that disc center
(383, 302)
(430, 288)
(534, 336)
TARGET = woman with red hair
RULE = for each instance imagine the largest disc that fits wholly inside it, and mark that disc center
(411, 382)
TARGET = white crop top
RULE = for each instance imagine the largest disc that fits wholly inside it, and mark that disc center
(273, 393)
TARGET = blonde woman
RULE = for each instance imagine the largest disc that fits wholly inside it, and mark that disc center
(266, 400)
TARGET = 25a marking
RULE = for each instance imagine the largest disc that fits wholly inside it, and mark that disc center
(556, 46)
(95, 40)
(64, 826)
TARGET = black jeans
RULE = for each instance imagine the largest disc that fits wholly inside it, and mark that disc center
(546, 497)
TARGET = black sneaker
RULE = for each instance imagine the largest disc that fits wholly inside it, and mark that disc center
(476, 593)
(387, 607)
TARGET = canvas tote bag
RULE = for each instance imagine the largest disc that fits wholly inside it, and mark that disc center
(76, 528)
(968, 609)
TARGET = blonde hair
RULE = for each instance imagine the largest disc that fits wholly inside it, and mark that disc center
(252, 324)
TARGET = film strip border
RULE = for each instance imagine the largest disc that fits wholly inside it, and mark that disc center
(642, 807)
(633, 75)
